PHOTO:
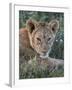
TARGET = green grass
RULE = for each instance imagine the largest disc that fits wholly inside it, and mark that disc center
(33, 70)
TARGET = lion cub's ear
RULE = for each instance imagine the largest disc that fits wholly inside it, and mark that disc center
(31, 25)
(54, 24)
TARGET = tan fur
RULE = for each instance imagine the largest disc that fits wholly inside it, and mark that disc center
(37, 39)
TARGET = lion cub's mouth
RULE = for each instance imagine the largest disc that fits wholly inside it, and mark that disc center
(44, 55)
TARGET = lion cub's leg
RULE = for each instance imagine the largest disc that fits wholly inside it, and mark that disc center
(51, 63)
(56, 64)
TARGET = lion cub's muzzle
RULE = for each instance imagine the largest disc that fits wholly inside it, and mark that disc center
(44, 55)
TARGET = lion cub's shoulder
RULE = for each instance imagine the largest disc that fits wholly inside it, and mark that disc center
(24, 37)
(25, 50)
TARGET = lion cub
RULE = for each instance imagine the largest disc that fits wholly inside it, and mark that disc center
(36, 40)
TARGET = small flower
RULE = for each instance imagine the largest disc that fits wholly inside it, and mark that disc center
(56, 40)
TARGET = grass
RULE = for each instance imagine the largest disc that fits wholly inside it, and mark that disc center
(33, 70)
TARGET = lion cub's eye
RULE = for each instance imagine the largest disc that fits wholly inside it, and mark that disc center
(49, 38)
(39, 39)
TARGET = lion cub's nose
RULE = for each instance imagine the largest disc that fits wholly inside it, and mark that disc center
(44, 52)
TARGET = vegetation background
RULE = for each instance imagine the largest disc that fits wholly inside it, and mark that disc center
(32, 70)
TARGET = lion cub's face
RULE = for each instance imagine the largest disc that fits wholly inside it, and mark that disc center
(42, 36)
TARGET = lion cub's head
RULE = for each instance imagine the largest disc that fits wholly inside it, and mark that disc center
(42, 35)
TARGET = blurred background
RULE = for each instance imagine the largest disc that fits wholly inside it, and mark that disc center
(58, 46)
